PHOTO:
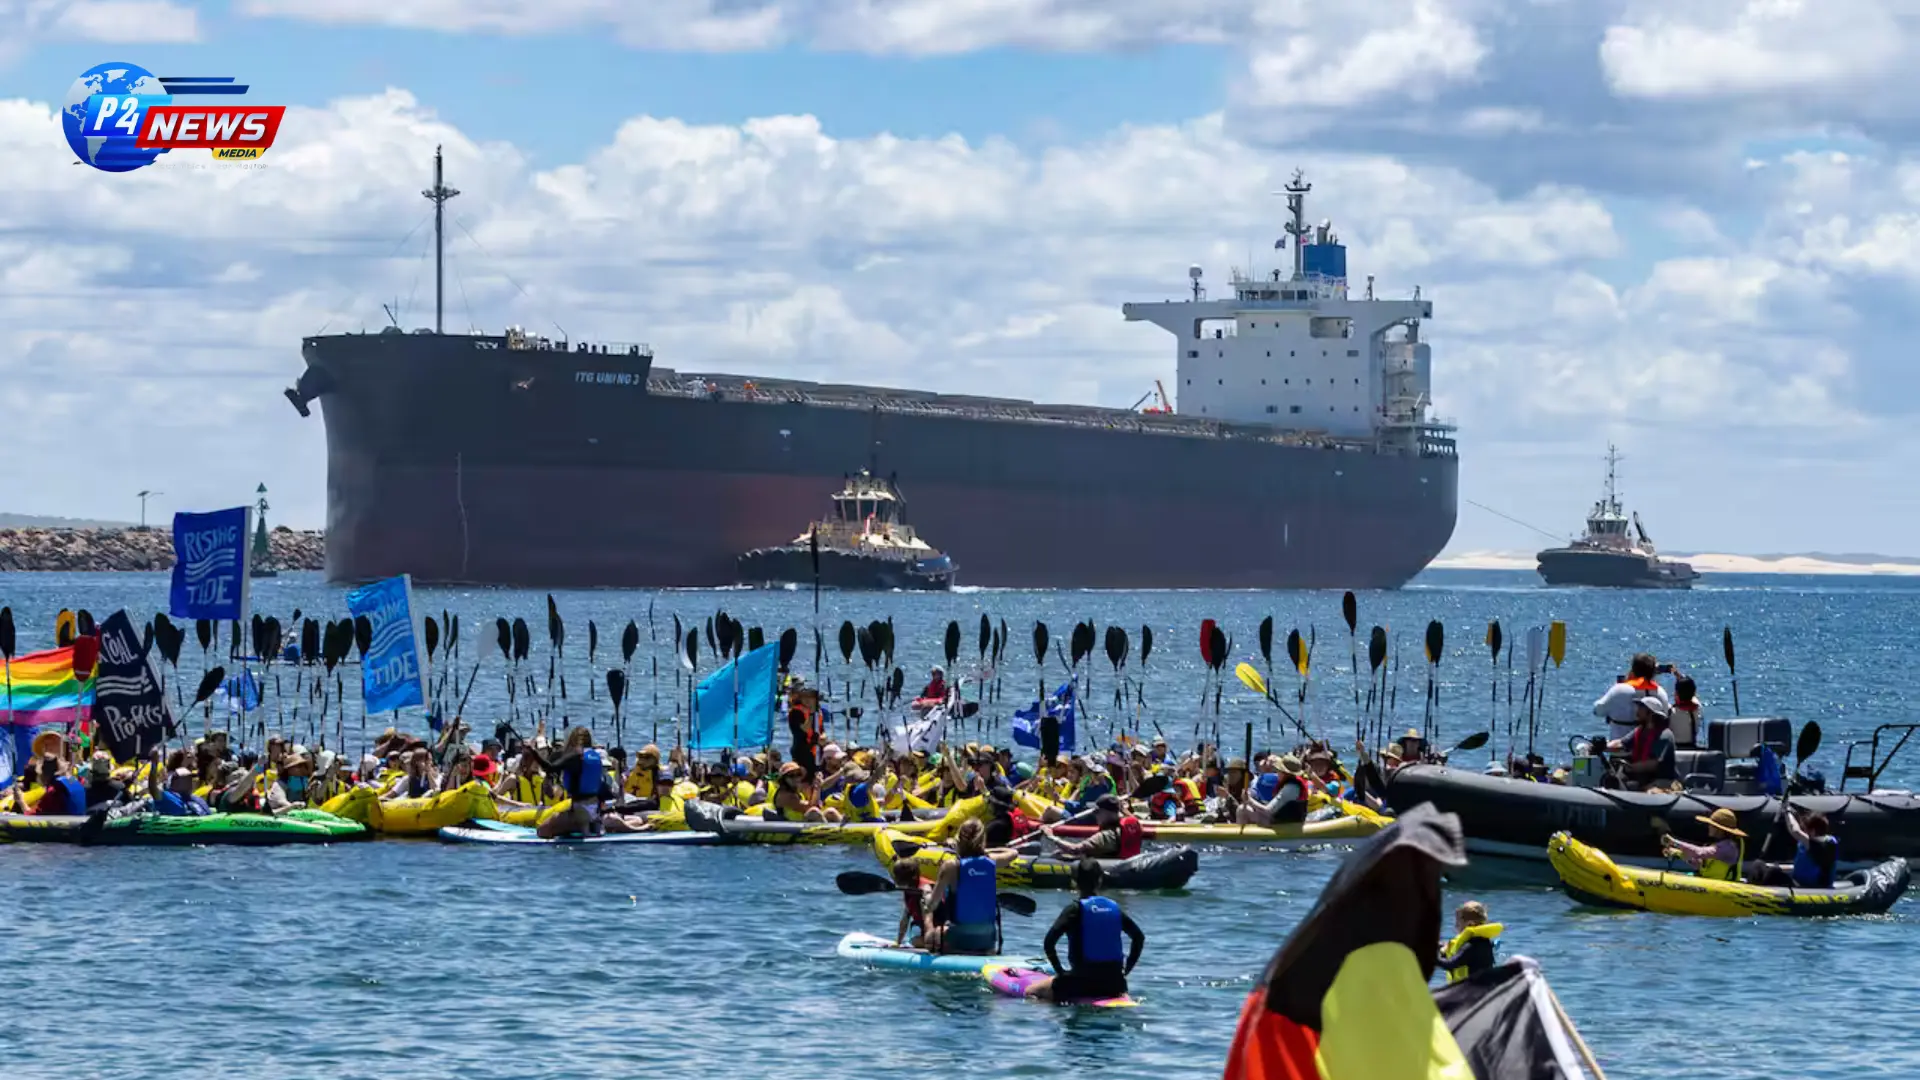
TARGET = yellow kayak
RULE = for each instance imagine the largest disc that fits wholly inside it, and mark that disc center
(424, 816)
(1590, 877)
(1165, 869)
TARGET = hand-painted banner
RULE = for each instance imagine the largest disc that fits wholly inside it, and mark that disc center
(133, 714)
(393, 674)
(210, 565)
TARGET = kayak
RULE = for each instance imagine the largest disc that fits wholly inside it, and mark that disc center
(1168, 869)
(1333, 831)
(748, 827)
(1016, 981)
(880, 952)
(500, 832)
(1589, 876)
(159, 830)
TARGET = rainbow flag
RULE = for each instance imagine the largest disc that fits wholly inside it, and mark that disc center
(37, 692)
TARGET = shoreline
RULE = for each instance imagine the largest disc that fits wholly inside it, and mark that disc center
(43, 550)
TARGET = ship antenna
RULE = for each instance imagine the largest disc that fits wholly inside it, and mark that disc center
(1296, 193)
(1613, 500)
(439, 193)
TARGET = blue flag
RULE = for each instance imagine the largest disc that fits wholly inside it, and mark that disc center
(1026, 722)
(240, 693)
(393, 674)
(210, 565)
(734, 705)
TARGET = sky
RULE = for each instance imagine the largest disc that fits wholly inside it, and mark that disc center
(1687, 227)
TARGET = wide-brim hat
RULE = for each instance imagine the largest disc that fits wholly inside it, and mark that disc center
(1722, 819)
(484, 766)
(48, 744)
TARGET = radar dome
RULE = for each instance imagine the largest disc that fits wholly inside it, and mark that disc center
(1194, 271)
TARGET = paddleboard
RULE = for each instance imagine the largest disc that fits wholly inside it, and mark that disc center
(1016, 981)
(499, 832)
(880, 952)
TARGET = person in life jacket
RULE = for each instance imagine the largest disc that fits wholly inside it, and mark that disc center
(966, 898)
(1719, 859)
(525, 786)
(62, 794)
(1096, 968)
(1685, 718)
(417, 782)
(581, 769)
(1474, 945)
(935, 692)
(1617, 705)
(1117, 833)
(234, 792)
(291, 786)
(177, 798)
(1006, 825)
(856, 801)
(1649, 750)
(917, 898)
(1279, 795)
(643, 787)
(1814, 860)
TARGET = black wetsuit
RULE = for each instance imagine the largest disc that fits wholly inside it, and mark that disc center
(1084, 980)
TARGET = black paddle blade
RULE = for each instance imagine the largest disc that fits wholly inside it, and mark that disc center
(504, 635)
(433, 636)
(869, 648)
(209, 683)
(1266, 642)
(1146, 643)
(1473, 742)
(593, 640)
(1293, 648)
(986, 636)
(1494, 639)
(83, 623)
(1221, 647)
(1377, 647)
(257, 633)
(861, 883)
(692, 648)
(629, 640)
(677, 635)
(556, 630)
(789, 644)
(887, 639)
(309, 642)
(273, 636)
(616, 686)
(896, 684)
(146, 638)
(847, 641)
(1015, 904)
(756, 639)
(203, 632)
(1080, 644)
(1436, 641)
(1040, 643)
(1049, 736)
(1726, 645)
(813, 551)
(170, 637)
(818, 648)
(1116, 647)
(1809, 740)
(7, 639)
(453, 630)
(1350, 609)
(522, 638)
(362, 635)
(952, 642)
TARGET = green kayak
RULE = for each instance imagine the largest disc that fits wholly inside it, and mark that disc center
(158, 830)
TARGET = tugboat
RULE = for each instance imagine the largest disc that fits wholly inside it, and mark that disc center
(1608, 556)
(866, 544)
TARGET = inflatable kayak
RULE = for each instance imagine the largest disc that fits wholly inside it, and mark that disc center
(1016, 981)
(748, 827)
(1518, 817)
(1168, 869)
(880, 952)
(1334, 831)
(499, 832)
(158, 830)
(1590, 877)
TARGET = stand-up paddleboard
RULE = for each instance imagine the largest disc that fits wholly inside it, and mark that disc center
(499, 832)
(880, 952)
(1016, 981)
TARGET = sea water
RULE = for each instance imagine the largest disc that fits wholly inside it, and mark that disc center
(360, 960)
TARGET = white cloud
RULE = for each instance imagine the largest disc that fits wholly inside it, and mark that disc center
(127, 22)
(1705, 48)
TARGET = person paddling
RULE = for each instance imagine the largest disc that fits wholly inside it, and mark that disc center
(1720, 859)
(582, 772)
(1814, 860)
(1093, 926)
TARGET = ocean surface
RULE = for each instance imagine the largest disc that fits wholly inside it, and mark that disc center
(417, 958)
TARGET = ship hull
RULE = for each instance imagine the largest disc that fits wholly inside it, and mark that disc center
(1605, 569)
(458, 463)
(794, 565)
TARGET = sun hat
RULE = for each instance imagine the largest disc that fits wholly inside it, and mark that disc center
(1722, 819)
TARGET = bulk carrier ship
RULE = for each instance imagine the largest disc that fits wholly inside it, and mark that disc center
(1297, 452)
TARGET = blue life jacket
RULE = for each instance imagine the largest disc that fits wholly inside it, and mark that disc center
(1768, 772)
(592, 774)
(170, 804)
(1266, 786)
(1100, 931)
(76, 795)
(1807, 871)
(974, 897)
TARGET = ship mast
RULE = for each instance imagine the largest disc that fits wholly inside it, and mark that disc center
(1296, 192)
(1613, 499)
(438, 194)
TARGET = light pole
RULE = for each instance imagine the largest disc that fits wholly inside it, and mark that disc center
(143, 507)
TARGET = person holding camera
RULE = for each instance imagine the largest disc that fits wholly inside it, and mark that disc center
(1619, 705)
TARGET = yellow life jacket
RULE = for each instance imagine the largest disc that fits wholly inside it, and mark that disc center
(1720, 871)
(1489, 932)
(531, 790)
(641, 783)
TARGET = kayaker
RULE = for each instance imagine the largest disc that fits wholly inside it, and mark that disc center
(1117, 834)
(935, 692)
(328, 781)
(234, 792)
(642, 785)
(1279, 796)
(101, 787)
(1618, 705)
(417, 782)
(526, 785)
(61, 794)
(1721, 857)
(459, 770)
(1474, 945)
(289, 787)
(1006, 826)
(1814, 861)
(966, 894)
(1093, 926)
(786, 801)
(917, 900)
(1650, 750)
(177, 798)
(581, 770)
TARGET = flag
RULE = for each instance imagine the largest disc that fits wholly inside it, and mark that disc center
(41, 692)
(1280, 243)
(134, 713)
(393, 674)
(920, 736)
(239, 694)
(1508, 1022)
(734, 705)
(1026, 722)
(210, 565)
(1346, 997)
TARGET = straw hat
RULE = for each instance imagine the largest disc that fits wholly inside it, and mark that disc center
(792, 769)
(48, 744)
(1722, 820)
(648, 751)
(1289, 765)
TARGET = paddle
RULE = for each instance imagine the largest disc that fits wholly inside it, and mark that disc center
(1803, 749)
(1472, 742)
(1251, 677)
(1726, 646)
(861, 883)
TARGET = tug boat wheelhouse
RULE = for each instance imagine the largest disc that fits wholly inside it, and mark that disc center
(865, 544)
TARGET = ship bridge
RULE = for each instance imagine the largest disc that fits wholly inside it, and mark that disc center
(1292, 350)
